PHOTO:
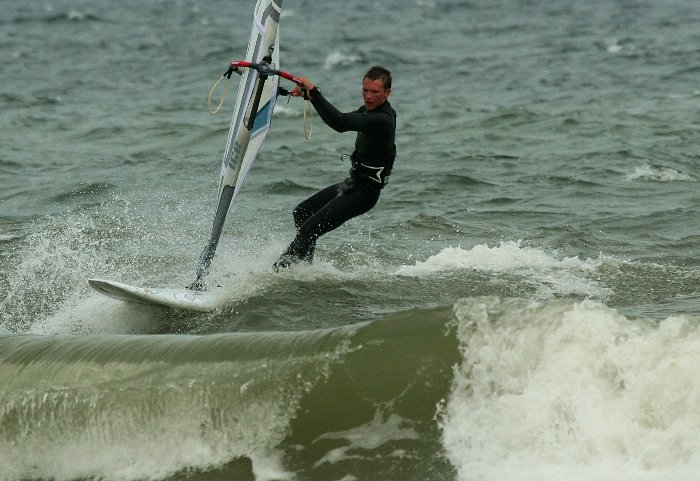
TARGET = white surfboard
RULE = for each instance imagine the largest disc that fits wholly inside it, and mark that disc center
(172, 298)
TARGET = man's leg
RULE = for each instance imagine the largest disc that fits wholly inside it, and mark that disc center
(313, 204)
(350, 201)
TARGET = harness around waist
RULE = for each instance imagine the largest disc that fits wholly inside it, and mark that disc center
(380, 175)
(377, 174)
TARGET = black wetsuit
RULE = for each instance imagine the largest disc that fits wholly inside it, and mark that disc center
(372, 162)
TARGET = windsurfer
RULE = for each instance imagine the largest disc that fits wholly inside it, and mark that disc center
(372, 162)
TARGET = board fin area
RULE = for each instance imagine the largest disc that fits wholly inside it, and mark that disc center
(185, 299)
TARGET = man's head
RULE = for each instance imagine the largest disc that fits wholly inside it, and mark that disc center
(376, 87)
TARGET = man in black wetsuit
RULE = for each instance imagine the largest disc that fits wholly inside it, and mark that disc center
(372, 161)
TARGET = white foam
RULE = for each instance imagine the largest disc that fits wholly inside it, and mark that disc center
(76, 15)
(613, 46)
(157, 455)
(659, 174)
(546, 272)
(337, 59)
(572, 391)
(267, 465)
(368, 437)
(285, 111)
(507, 256)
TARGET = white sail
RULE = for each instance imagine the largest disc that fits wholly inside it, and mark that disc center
(251, 119)
(243, 141)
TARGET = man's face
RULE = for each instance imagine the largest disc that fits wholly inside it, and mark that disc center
(373, 93)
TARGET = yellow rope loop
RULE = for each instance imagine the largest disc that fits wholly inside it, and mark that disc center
(223, 96)
(307, 135)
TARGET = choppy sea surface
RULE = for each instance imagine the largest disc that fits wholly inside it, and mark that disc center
(523, 303)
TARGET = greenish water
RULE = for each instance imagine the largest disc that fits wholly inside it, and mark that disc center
(536, 251)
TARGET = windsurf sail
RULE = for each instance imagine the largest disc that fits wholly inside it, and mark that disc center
(257, 93)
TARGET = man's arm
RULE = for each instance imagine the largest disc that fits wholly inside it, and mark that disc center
(342, 122)
(356, 121)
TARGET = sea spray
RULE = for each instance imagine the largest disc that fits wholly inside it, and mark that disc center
(572, 390)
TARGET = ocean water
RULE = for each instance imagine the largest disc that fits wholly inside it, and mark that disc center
(523, 304)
